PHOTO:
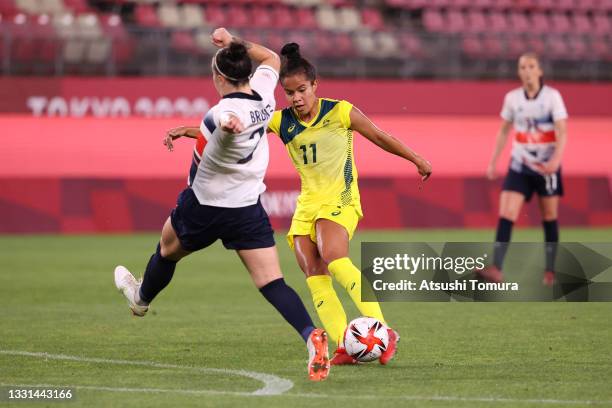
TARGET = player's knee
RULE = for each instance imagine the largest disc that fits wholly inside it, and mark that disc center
(549, 215)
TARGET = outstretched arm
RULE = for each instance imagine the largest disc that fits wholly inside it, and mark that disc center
(258, 53)
(500, 142)
(552, 165)
(385, 141)
(229, 124)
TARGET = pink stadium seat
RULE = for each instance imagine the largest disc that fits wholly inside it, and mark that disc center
(544, 5)
(476, 21)
(483, 4)
(581, 23)
(238, 16)
(498, 22)
(518, 22)
(601, 48)
(560, 23)
(343, 45)
(371, 18)
(183, 41)
(121, 43)
(412, 45)
(433, 20)
(262, 17)
(300, 37)
(492, 47)
(305, 18)
(500, 5)
(566, 5)
(322, 43)
(601, 23)
(586, 5)
(283, 17)
(578, 48)
(472, 46)
(515, 46)
(215, 15)
(455, 22)
(539, 23)
(534, 44)
(556, 48)
(146, 16)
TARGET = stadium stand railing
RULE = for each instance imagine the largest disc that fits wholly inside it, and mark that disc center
(391, 38)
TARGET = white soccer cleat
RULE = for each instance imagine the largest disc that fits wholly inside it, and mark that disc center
(128, 285)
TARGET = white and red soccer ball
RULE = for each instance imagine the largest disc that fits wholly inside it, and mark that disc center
(365, 339)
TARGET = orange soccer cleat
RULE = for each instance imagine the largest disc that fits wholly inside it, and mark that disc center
(318, 355)
(341, 357)
(549, 278)
(389, 353)
(491, 274)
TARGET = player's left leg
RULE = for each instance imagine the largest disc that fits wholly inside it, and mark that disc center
(333, 243)
(264, 267)
(549, 207)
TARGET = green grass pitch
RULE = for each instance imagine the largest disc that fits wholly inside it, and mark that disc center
(57, 296)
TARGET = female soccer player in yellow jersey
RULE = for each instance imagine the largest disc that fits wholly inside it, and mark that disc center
(318, 134)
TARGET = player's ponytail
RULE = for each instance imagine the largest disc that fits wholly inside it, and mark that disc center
(292, 63)
(233, 63)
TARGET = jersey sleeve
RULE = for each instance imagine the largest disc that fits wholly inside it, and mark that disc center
(264, 80)
(275, 122)
(558, 107)
(507, 113)
(209, 123)
(345, 108)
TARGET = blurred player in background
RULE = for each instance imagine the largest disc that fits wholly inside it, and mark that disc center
(222, 199)
(318, 134)
(538, 115)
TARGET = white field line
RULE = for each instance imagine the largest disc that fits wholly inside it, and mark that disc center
(271, 388)
(272, 385)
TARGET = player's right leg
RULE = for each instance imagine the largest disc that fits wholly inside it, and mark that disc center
(158, 273)
(264, 267)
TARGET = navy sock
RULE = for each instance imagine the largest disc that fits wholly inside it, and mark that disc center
(157, 276)
(502, 237)
(551, 238)
(289, 305)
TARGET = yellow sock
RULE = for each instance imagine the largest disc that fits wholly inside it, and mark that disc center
(349, 277)
(328, 306)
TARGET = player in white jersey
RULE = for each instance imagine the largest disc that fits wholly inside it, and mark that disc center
(222, 199)
(538, 115)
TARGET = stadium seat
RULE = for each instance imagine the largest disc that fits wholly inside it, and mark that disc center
(306, 18)
(348, 19)
(145, 15)
(493, 47)
(183, 41)
(535, 44)
(237, 16)
(471, 45)
(412, 45)
(476, 22)
(515, 46)
(539, 23)
(556, 48)
(581, 23)
(77, 6)
(497, 22)
(98, 51)
(262, 17)
(27, 6)
(191, 16)
(601, 23)
(326, 18)
(578, 49)
(203, 43)
(372, 19)
(283, 17)
(455, 22)
(433, 20)
(560, 23)
(215, 15)
(168, 15)
(8, 9)
(120, 42)
(518, 22)
(50, 7)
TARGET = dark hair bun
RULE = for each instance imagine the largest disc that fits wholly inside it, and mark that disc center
(236, 51)
(291, 51)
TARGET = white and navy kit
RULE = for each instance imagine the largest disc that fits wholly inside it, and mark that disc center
(227, 172)
(534, 140)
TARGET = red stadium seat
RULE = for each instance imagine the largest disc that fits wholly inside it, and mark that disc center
(184, 42)
(305, 18)
(323, 45)
(433, 20)
(518, 22)
(601, 23)
(343, 45)
(497, 22)
(146, 16)
(262, 17)
(472, 46)
(493, 47)
(476, 21)
(556, 48)
(283, 17)
(412, 45)
(539, 23)
(455, 22)
(602, 48)
(534, 44)
(581, 23)
(215, 15)
(515, 46)
(560, 23)
(238, 16)
(77, 6)
(371, 18)
(578, 48)
(8, 9)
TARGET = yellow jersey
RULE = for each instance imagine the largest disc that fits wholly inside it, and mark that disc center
(322, 154)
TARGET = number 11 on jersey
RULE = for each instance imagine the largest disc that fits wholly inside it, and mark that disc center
(313, 147)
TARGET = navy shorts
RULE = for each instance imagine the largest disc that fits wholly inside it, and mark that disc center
(198, 226)
(528, 182)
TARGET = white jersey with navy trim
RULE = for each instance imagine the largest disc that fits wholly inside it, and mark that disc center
(534, 125)
(228, 169)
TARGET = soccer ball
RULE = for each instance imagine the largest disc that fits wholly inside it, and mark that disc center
(365, 339)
